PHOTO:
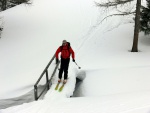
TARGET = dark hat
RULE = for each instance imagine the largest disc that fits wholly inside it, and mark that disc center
(64, 41)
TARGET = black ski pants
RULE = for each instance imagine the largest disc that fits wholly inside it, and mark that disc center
(64, 68)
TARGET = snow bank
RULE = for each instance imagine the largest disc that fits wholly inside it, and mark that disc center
(120, 103)
(81, 74)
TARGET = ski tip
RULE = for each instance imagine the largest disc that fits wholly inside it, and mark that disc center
(61, 88)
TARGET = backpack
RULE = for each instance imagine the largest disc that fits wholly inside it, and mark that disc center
(68, 48)
(61, 47)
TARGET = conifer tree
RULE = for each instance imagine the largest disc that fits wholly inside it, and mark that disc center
(145, 19)
(6, 4)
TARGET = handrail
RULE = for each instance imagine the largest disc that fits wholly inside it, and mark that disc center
(45, 69)
(47, 85)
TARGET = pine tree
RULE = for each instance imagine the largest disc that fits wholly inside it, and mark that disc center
(145, 18)
(6, 4)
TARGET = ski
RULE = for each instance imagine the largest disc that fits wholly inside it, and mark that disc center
(61, 88)
(57, 86)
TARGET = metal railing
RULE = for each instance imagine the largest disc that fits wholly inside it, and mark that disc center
(48, 81)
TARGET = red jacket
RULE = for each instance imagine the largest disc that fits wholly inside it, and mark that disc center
(65, 52)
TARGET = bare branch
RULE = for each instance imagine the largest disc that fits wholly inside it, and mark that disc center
(109, 4)
(122, 14)
(1, 26)
(125, 13)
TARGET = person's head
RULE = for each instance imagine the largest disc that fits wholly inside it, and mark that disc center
(64, 42)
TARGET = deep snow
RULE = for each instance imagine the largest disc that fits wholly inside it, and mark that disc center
(117, 80)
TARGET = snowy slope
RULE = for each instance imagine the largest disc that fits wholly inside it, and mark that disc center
(31, 37)
(117, 80)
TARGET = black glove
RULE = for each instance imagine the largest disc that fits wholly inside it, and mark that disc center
(57, 60)
(73, 60)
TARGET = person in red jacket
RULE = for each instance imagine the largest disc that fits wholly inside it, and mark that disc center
(66, 51)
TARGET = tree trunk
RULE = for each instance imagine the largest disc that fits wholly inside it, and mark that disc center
(137, 26)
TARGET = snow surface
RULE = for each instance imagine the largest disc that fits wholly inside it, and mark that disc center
(116, 81)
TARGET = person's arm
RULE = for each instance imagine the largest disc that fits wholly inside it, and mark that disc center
(72, 54)
(57, 52)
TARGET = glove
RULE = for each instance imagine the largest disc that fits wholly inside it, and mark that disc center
(73, 60)
(57, 60)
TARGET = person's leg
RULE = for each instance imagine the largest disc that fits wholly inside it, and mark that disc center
(66, 68)
(60, 75)
(61, 69)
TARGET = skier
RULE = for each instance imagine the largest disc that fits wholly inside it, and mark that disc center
(65, 50)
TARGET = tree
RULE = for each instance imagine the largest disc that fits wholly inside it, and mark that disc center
(5, 4)
(145, 19)
(137, 17)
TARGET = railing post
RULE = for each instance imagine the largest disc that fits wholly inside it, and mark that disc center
(35, 92)
(47, 79)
